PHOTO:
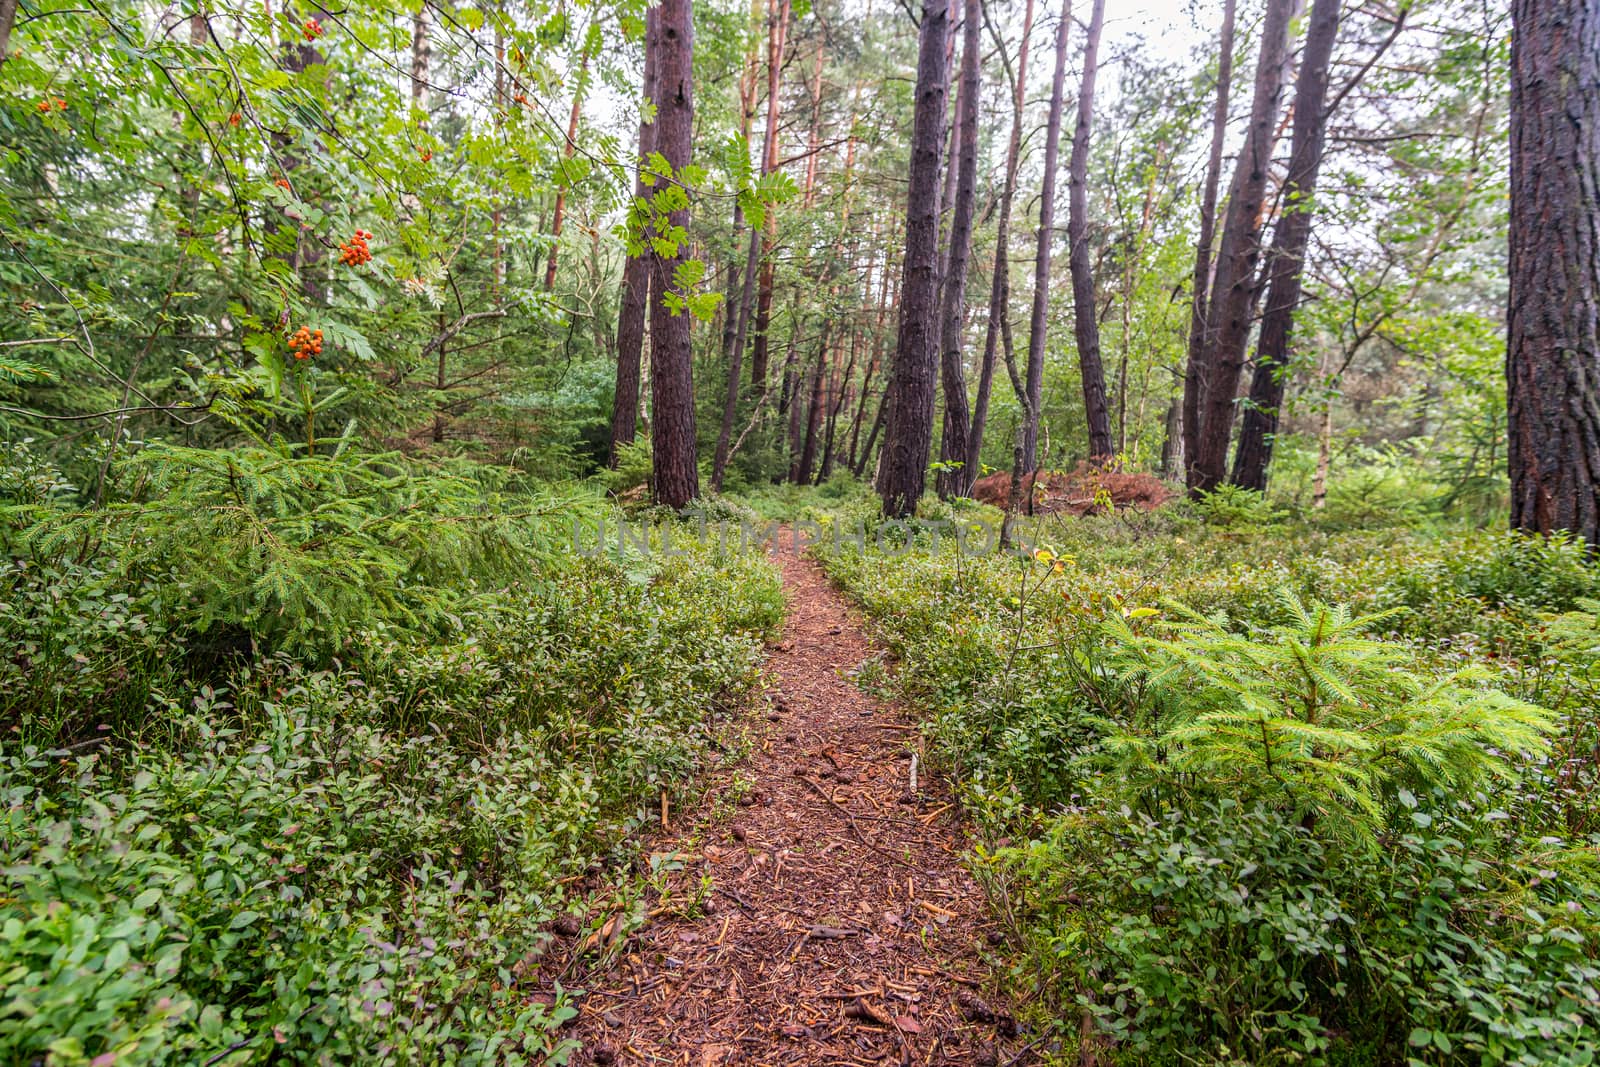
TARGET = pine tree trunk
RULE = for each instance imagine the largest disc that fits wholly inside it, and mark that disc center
(1085, 324)
(1041, 270)
(635, 286)
(672, 418)
(953, 441)
(777, 37)
(1553, 328)
(1194, 383)
(908, 432)
(1232, 299)
(1287, 257)
(1000, 283)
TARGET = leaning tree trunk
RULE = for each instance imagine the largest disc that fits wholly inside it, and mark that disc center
(1041, 270)
(1194, 378)
(1000, 282)
(908, 431)
(672, 429)
(635, 285)
(1233, 293)
(1085, 324)
(1259, 424)
(953, 442)
(1553, 328)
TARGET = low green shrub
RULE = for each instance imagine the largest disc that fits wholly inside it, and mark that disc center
(341, 849)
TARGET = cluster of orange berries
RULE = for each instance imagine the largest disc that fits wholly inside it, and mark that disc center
(283, 183)
(312, 29)
(47, 106)
(354, 252)
(306, 343)
(426, 154)
(234, 119)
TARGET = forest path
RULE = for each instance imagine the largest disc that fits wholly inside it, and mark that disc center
(843, 928)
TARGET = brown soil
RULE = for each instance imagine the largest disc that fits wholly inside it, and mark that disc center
(1080, 491)
(842, 927)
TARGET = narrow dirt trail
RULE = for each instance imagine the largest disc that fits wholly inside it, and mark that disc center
(843, 927)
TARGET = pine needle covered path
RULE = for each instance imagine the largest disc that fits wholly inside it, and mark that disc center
(844, 928)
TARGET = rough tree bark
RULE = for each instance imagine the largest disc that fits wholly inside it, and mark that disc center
(1041, 269)
(1233, 292)
(1194, 376)
(8, 18)
(1085, 323)
(1286, 258)
(672, 429)
(1553, 326)
(908, 434)
(1000, 282)
(635, 285)
(953, 441)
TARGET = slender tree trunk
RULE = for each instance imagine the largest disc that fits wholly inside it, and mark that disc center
(1287, 256)
(733, 298)
(1553, 328)
(1046, 237)
(908, 432)
(1085, 322)
(953, 442)
(1195, 370)
(1319, 481)
(776, 41)
(672, 428)
(1232, 299)
(1000, 283)
(635, 284)
(560, 214)
(808, 452)
(872, 435)
(1172, 442)
(839, 395)
(421, 60)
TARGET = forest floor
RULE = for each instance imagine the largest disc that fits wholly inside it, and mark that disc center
(842, 926)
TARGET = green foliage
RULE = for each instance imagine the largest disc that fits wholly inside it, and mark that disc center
(274, 860)
(1232, 507)
(1270, 828)
(299, 552)
(1311, 716)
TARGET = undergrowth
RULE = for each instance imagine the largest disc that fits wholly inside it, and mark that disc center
(304, 756)
(1255, 791)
